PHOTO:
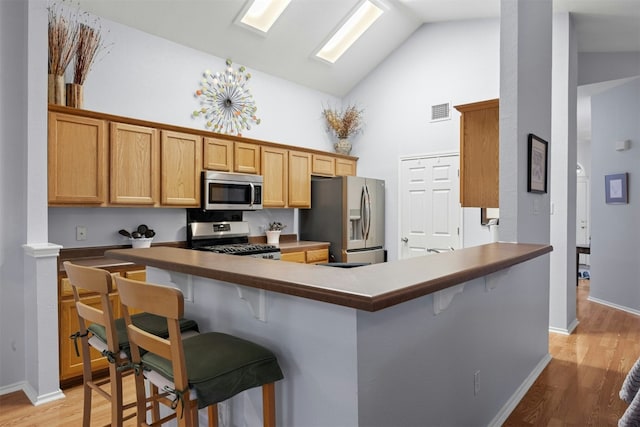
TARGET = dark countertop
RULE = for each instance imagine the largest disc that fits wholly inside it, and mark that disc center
(370, 288)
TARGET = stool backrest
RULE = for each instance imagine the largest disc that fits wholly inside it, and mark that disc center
(99, 281)
(162, 301)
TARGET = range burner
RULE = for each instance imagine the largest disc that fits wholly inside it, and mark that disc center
(228, 238)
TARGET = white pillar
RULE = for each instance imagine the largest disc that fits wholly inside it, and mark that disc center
(562, 298)
(525, 107)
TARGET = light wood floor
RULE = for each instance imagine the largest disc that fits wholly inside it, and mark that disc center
(579, 387)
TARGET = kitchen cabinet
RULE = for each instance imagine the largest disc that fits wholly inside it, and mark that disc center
(77, 160)
(135, 164)
(299, 194)
(70, 363)
(479, 154)
(180, 166)
(311, 256)
(275, 173)
(323, 165)
(345, 167)
(246, 158)
(218, 154)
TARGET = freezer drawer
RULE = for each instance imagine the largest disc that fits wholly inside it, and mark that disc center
(373, 256)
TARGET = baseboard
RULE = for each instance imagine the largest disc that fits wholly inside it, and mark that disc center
(572, 327)
(12, 388)
(513, 401)
(616, 306)
(36, 399)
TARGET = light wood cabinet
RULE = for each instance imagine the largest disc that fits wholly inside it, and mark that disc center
(312, 256)
(299, 180)
(345, 167)
(180, 169)
(246, 158)
(479, 154)
(275, 173)
(323, 165)
(70, 362)
(135, 165)
(218, 154)
(77, 160)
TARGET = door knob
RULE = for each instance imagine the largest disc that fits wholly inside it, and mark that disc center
(404, 240)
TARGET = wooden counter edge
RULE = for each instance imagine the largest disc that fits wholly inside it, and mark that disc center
(337, 297)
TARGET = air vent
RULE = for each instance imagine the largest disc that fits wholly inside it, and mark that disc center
(440, 112)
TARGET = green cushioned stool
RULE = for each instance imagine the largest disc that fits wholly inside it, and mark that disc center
(199, 371)
(109, 338)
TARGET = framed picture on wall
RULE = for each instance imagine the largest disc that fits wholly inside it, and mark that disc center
(537, 166)
(615, 188)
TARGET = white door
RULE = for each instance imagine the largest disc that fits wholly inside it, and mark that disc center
(582, 215)
(430, 209)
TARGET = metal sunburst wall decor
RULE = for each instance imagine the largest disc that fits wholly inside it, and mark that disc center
(227, 103)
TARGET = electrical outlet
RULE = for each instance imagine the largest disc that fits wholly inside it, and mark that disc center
(476, 383)
(81, 233)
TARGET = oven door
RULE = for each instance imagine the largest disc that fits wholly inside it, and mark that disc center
(231, 191)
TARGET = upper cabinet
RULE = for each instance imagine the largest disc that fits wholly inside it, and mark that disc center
(77, 160)
(97, 159)
(134, 167)
(479, 154)
(180, 165)
(218, 154)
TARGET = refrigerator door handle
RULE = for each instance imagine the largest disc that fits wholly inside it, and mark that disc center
(363, 213)
(368, 210)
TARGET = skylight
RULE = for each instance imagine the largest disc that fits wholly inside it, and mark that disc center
(263, 13)
(350, 31)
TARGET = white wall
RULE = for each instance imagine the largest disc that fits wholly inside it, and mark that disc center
(595, 67)
(614, 228)
(13, 152)
(457, 62)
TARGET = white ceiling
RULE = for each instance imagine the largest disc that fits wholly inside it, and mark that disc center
(287, 50)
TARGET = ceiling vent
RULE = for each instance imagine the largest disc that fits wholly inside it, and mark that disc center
(441, 112)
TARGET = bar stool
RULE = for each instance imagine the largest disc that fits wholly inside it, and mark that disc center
(194, 372)
(99, 329)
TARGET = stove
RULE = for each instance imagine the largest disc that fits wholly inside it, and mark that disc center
(227, 237)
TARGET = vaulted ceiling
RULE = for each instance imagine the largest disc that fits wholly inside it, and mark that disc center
(287, 49)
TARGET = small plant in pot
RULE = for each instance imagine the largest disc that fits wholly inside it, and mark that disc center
(273, 232)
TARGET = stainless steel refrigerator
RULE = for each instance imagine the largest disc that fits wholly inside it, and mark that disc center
(347, 211)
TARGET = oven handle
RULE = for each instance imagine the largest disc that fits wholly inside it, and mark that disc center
(253, 193)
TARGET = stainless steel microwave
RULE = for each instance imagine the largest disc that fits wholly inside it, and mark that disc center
(231, 191)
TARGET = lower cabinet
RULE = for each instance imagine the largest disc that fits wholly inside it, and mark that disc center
(312, 256)
(70, 362)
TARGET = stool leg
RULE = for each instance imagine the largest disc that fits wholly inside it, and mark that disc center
(115, 378)
(213, 415)
(269, 405)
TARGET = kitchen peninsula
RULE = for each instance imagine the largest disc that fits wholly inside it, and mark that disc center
(398, 343)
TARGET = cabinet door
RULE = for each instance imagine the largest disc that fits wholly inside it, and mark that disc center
(218, 154)
(345, 167)
(299, 179)
(316, 256)
(181, 165)
(70, 363)
(135, 165)
(77, 160)
(479, 154)
(246, 158)
(323, 165)
(275, 173)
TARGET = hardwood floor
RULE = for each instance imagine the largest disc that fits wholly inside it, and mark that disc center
(579, 387)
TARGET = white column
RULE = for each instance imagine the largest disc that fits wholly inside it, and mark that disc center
(562, 301)
(525, 107)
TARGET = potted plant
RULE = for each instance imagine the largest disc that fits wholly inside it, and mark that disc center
(343, 124)
(273, 232)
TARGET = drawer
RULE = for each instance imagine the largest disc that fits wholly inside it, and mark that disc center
(293, 257)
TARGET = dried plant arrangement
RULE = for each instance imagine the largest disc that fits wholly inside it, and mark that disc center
(63, 38)
(90, 43)
(344, 123)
